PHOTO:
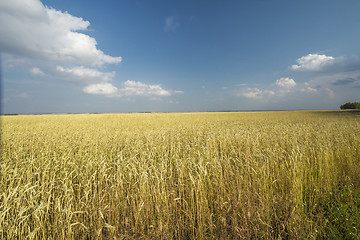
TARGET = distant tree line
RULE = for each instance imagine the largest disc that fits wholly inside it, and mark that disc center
(349, 105)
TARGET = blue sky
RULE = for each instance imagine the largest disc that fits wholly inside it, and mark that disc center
(136, 55)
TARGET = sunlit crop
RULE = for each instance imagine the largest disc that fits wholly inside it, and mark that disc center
(181, 176)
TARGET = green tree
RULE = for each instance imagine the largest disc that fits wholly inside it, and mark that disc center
(349, 105)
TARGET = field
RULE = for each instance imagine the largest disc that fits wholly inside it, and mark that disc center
(267, 175)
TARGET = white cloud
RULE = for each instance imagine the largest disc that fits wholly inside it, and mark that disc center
(30, 29)
(309, 90)
(252, 93)
(84, 74)
(171, 24)
(51, 39)
(256, 93)
(285, 86)
(100, 89)
(130, 88)
(313, 62)
(328, 88)
(79, 74)
(286, 83)
(134, 88)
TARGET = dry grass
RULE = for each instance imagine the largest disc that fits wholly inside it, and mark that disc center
(181, 176)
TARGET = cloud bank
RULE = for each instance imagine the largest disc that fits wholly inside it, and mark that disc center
(37, 31)
(283, 87)
(324, 75)
(51, 39)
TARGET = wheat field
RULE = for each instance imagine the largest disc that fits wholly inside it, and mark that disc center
(258, 175)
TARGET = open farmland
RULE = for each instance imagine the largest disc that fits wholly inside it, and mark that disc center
(181, 176)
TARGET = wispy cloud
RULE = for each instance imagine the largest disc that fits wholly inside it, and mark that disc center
(78, 74)
(84, 74)
(171, 24)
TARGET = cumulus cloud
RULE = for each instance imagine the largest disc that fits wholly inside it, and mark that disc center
(308, 89)
(286, 83)
(57, 49)
(285, 86)
(313, 62)
(171, 24)
(331, 72)
(30, 29)
(100, 89)
(134, 88)
(130, 88)
(256, 93)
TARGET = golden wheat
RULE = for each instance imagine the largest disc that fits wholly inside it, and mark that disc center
(181, 176)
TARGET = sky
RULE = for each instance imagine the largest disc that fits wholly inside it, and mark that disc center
(65, 56)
